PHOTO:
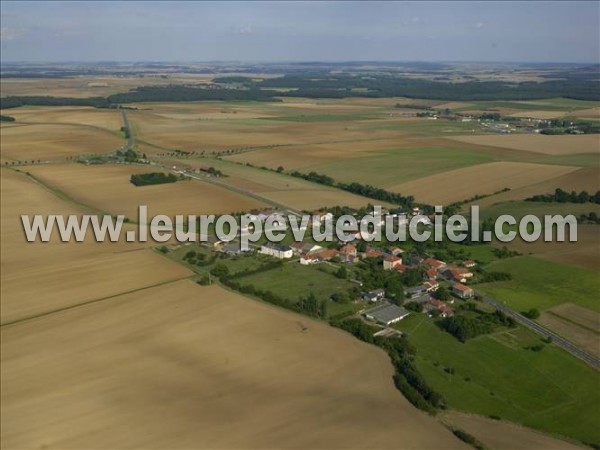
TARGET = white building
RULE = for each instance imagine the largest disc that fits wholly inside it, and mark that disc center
(276, 250)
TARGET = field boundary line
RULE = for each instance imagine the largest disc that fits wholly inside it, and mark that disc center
(89, 302)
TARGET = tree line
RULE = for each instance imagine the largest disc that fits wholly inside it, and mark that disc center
(146, 179)
(562, 196)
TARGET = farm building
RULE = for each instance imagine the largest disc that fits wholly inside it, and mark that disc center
(387, 314)
(276, 250)
(374, 295)
(348, 250)
(462, 291)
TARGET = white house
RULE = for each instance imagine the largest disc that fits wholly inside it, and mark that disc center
(276, 250)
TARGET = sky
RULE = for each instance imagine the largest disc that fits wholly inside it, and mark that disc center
(300, 31)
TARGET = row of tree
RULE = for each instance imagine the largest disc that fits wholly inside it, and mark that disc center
(562, 196)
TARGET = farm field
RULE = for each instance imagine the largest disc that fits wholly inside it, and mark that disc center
(38, 278)
(501, 435)
(50, 142)
(107, 187)
(495, 374)
(577, 324)
(109, 119)
(550, 145)
(541, 284)
(461, 184)
(583, 179)
(88, 86)
(167, 368)
(287, 190)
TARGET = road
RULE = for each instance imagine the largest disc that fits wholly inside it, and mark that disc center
(556, 339)
(130, 138)
(260, 198)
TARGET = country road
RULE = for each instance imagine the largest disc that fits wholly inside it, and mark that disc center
(556, 339)
(130, 138)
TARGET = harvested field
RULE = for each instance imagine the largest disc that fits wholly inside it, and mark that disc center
(107, 188)
(578, 180)
(575, 323)
(108, 119)
(165, 368)
(290, 191)
(550, 145)
(461, 184)
(539, 114)
(501, 435)
(37, 278)
(55, 142)
(592, 113)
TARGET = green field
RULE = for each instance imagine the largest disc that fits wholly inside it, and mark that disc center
(390, 167)
(495, 375)
(543, 284)
(294, 280)
(552, 104)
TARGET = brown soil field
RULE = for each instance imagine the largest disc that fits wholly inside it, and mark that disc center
(500, 435)
(592, 113)
(107, 188)
(41, 277)
(460, 184)
(453, 105)
(550, 145)
(577, 324)
(182, 366)
(583, 253)
(102, 118)
(587, 179)
(203, 110)
(55, 141)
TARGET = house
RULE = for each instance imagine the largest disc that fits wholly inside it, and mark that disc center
(469, 263)
(348, 250)
(430, 274)
(302, 248)
(320, 217)
(233, 248)
(395, 251)
(431, 286)
(401, 268)
(276, 250)
(462, 291)
(211, 241)
(309, 259)
(415, 291)
(459, 275)
(445, 310)
(386, 314)
(371, 253)
(391, 261)
(374, 295)
(327, 254)
(434, 264)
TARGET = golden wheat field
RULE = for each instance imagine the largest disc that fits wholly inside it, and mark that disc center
(107, 188)
(461, 184)
(181, 366)
(48, 142)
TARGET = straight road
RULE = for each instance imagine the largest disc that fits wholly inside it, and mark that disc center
(592, 360)
(130, 138)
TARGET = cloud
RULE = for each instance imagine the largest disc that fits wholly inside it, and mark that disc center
(246, 30)
(10, 34)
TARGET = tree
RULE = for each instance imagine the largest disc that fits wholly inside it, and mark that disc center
(442, 293)
(220, 270)
(280, 169)
(204, 281)
(531, 314)
(342, 273)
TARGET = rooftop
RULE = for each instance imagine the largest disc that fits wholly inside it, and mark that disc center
(387, 313)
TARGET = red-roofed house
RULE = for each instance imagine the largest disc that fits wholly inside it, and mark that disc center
(373, 254)
(462, 291)
(431, 274)
(348, 250)
(434, 264)
(391, 261)
(328, 254)
(401, 268)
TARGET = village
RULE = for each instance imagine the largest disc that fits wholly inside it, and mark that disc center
(439, 284)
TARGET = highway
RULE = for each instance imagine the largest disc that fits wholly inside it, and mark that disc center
(592, 360)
